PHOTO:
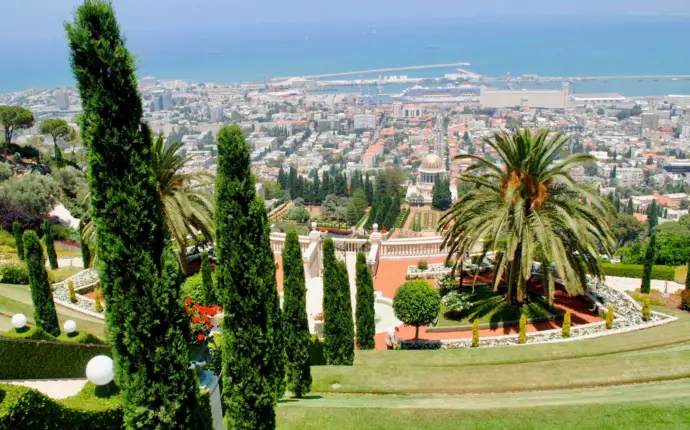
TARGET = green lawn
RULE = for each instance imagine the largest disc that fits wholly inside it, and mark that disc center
(489, 307)
(17, 299)
(668, 412)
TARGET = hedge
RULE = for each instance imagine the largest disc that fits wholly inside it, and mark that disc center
(664, 273)
(27, 409)
(30, 356)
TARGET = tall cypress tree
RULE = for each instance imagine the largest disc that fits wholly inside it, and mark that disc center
(366, 322)
(85, 251)
(207, 281)
(50, 245)
(295, 317)
(18, 242)
(346, 325)
(649, 256)
(44, 308)
(331, 282)
(140, 281)
(248, 390)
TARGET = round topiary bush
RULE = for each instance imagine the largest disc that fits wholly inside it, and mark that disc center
(416, 303)
(422, 265)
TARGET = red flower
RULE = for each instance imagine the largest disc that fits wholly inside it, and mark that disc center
(188, 301)
(207, 321)
(196, 320)
(200, 337)
(187, 310)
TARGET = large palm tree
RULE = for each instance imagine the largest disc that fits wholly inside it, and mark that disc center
(527, 208)
(185, 198)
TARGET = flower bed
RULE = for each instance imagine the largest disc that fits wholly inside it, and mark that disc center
(628, 317)
(433, 271)
(83, 282)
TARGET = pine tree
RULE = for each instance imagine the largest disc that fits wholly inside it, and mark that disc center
(295, 319)
(207, 281)
(649, 257)
(41, 295)
(85, 251)
(140, 280)
(630, 208)
(248, 389)
(366, 322)
(338, 326)
(50, 245)
(18, 243)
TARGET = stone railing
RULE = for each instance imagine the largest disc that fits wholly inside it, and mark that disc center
(417, 247)
(350, 244)
(278, 240)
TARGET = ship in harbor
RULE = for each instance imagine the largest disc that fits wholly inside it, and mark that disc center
(439, 94)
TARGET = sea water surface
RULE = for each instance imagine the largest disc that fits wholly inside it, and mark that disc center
(559, 46)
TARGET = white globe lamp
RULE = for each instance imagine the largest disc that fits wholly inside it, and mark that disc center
(18, 320)
(69, 326)
(100, 370)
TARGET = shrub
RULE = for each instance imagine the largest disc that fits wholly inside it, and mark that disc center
(447, 283)
(97, 300)
(609, 318)
(565, 330)
(41, 290)
(646, 310)
(664, 273)
(17, 231)
(416, 303)
(422, 265)
(14, 274)
(656, 297)
(34, 192)
(207, 283)
(36, 355)
(50, 245)
(455, 301)
(338, 326)
(72, 295)
(80, 337)
(193, 287)
(7, 238)
(522, 335)
(26, 408)
(685, 300)
(475, 333)
(298, 213)
(5, 171)
(26, 332)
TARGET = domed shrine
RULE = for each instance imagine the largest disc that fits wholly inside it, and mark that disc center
(430, 171)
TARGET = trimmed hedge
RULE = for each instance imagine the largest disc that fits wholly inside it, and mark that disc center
(34, 355)
(664, 273)
(27, 409)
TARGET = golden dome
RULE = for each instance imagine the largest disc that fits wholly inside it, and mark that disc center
(432, 162)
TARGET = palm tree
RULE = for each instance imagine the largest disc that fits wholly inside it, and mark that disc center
(529, 209)
(185, 198)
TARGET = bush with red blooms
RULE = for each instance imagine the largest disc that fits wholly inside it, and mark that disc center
(200, 318)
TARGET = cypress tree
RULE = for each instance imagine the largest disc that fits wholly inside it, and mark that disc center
(50, 245)
(248, 390)
(295, 317)
(366, 322)
(44, 308)
(346, 325)
(85, 251)
(649, 256)
(687, 275)
(338, 326)
(207, 281)
(140, 281)
(18, 242)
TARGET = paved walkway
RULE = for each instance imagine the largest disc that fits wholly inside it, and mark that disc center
(53, 388)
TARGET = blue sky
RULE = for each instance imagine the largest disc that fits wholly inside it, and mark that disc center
(42, 19)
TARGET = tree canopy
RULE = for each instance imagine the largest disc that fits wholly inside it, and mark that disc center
(13, 118)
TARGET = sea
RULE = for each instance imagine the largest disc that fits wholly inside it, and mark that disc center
(546, 46)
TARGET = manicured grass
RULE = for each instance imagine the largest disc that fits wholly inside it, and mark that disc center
(62, 273)
(641, 415)
(17, 299)
(489, 307)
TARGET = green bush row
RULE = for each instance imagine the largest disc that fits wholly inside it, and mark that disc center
(664, 273)
(35, 354)
(27, 409)
(14, 273)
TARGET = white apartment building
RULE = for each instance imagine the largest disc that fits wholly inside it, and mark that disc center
(629, 176)
(364, 121)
